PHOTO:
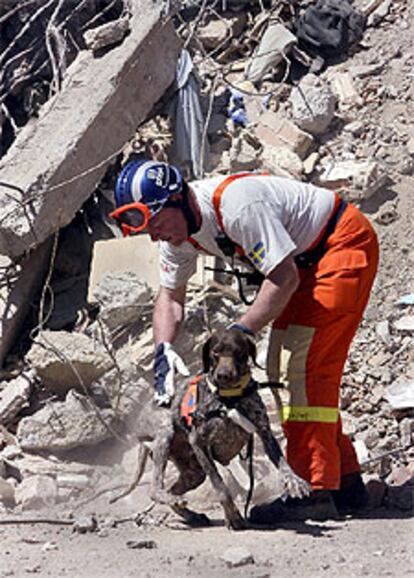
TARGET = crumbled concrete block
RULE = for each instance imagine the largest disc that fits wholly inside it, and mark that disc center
(236, 557)
(65, 425)
(106, 35)
(277, 131)
(313, 105)
(14, 397)
(85, 524)
(114, 255)
(282, 162)
(310, 162)
(342, 85)
(121, 297)
(361, 178)
(405, 323)
(217, 32)
(36, 492)
(69, 480)
(64, 360)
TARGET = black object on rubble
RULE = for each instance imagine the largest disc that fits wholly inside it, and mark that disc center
(329, 27)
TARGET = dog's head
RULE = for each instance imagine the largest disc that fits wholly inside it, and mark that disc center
(227, 356)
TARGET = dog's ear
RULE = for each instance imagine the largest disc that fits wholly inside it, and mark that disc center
(251, 350)
(206, 355)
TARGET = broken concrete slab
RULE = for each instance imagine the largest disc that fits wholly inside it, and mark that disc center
(14, 397)
(64, 425)
(277, 131)
(64, 360)
(122, 297)
(57, 161)
(26, 465)
(282, 161)
(137, 254)
(36, 492)
(359, 179)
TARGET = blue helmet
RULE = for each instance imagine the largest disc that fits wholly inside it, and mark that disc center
(149, 182)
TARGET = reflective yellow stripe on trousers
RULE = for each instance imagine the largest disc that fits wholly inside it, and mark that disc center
(304, 413)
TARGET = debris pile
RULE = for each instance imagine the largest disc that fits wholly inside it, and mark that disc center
(257, 87)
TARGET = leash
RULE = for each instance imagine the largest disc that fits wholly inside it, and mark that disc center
(249, 456)
(251, 278)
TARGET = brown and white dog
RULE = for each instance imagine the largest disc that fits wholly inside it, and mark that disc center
(211, 419)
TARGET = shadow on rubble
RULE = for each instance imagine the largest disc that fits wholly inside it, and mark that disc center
(386, 193)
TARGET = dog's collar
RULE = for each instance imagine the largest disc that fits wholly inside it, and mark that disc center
(237, 391)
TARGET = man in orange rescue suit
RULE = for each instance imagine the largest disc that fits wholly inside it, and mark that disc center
(318, 256)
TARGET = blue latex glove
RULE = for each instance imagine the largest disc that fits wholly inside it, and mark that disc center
(166, 363)
(239, 116)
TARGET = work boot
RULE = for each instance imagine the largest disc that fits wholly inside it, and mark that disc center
(318, 506)
(352, 494)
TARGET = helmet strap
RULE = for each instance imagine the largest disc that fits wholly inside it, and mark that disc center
(188, 213)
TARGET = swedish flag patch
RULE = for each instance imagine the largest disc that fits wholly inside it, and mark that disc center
(258, 253)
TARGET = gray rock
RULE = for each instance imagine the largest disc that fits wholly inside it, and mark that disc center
(64, 360)
(65, 425)
(313, 105)
(106, 35)
(405, 323)
(235, 557)
(36, 492)
(406, 428)
(14, 397)
(121, 296)
(382, 329)
(85, 524)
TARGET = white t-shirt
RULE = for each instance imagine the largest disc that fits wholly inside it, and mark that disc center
(269, 217)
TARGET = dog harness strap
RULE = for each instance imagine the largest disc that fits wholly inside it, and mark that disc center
(189, 403)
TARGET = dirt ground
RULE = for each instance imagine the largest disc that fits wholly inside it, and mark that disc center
(378, 543)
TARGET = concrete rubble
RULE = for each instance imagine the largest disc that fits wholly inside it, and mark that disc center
(58, 154)
(349, 128)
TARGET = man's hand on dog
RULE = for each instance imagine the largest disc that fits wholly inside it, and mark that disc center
(166, 363)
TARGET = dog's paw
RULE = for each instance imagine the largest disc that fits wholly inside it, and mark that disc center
(199, 520)
(178, 502)
(162, 497)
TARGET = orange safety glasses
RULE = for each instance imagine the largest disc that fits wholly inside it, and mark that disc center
(132, 218)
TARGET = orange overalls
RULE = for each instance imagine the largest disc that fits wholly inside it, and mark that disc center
(315, 331)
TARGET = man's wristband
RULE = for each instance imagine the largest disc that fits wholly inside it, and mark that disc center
(242, 328)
